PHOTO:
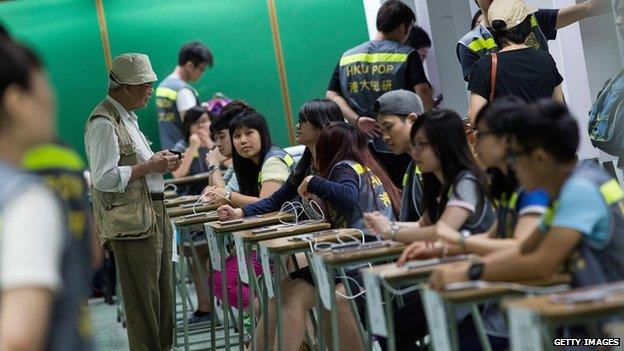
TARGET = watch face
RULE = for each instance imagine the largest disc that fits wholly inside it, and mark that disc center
(475, 271)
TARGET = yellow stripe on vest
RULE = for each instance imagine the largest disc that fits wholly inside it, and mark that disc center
(373, 58)
(50, 156)
(611, 191)
(167, 93)
(482, 44)
(534, 21)
(358, 168)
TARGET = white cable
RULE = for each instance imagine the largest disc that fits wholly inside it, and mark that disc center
(173, 186)
(198, 201)
(362, 290)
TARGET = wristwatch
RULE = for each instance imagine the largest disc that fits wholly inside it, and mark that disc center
(211, 169)
(228, 195)
(463, 234)
(476, 270)
(394, 229)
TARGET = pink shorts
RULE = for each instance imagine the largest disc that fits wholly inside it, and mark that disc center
(231, 275)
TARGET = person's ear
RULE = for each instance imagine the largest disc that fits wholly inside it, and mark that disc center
(411, 118)
(12, 101)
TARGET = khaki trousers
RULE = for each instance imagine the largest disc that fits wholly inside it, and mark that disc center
(145, 275)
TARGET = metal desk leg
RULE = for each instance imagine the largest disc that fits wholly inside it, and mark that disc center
(389, 311)
(319, 306)
(182, 285)
(356, 314)
(334, 310)
(478, 321)
(253, 286)
(224, 300)
(240, 310)
(277, 267)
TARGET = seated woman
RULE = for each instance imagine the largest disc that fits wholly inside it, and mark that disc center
(196, 144)
(455, 192)
(261, 168)
(521, 70)
(349, 182)
(314, 115)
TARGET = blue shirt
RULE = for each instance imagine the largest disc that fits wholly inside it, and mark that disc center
(532, 202)
(581, 207)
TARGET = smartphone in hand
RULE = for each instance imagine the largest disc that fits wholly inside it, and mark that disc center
(175, 152)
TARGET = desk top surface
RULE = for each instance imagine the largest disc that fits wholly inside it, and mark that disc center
(190, 179)
(170, 194)
(545, 307)
(205, 217)
(181, 200)
(392, 273)
(178, 211)
(252, 222)
(285, 244)
(287, 230)
(491, 291)
(336, 259)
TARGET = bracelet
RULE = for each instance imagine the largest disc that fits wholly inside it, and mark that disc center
(393, 230)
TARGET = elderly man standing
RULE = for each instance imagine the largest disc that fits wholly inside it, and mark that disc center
(127, 188)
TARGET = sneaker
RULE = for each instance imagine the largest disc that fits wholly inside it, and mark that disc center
(198, 317)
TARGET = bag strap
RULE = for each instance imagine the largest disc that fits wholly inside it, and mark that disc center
(493, 72)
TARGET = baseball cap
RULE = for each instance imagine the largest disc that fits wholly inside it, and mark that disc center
(132, 69)
(398, 102)
(512, 12)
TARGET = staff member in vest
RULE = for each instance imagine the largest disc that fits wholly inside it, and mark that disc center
(368, 70)
(585, 220)
(43, 267)
(175, 96)
(127, 189)
(544, 24)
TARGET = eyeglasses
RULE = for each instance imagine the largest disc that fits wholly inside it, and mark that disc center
(512, 155)
(483, 133)
(420, 145)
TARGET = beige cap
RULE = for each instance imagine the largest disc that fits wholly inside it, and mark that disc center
(512, 12)
(132, 69)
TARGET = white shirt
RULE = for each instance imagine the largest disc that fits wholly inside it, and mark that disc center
(186, 98)
(102, 147)
(31, 241)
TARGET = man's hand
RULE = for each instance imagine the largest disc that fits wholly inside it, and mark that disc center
(449, 273)
(368, 126)
(164, 161)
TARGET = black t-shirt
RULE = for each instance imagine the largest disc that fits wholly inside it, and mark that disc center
(414, 74)
(528, 73)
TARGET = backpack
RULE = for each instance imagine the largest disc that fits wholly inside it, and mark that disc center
(606, 117)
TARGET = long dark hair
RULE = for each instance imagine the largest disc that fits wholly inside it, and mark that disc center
(499, 115)
(246, 170)
(320, 113)
(191, 117)
(445, 133)
(516, 35)
(342, 141)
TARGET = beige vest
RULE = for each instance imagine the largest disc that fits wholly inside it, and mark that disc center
(128, 215)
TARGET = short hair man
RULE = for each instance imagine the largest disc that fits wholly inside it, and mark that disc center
(127, 190)
(175, 96)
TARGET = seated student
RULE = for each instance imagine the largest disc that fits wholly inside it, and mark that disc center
(455, 192)
(220, 159)
(314, 115)
(584, 225)
(396, 112)
(195, 145)
(349, 182)
(520, 70)
(261, 169)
